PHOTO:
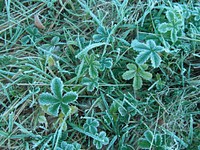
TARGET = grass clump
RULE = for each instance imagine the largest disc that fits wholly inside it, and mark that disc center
(123, 74)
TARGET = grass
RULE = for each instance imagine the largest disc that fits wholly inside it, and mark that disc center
(99, 74)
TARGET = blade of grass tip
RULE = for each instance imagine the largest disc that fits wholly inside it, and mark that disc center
(24, 130)
(5, 92)
(135, 108)
(191, 130)
(46, 144)
(116, 101)
(26, 97)
(10, 122)
(79, 70)
(87, 48)
(112, 142)
(175, 137)
(107, 112)
(59, 134)
(90, 12)
(38, 69)
(8, 15)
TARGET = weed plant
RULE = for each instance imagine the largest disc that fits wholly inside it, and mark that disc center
(100, 74)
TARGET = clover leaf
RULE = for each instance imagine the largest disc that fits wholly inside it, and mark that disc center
(104, 140)
(91, 83)
(102, 35)
(173, 25)
(151, 141)
(91, 126)
(137, 73)
(105, 63)
(148, 50)
(66, 146)
(57, 100)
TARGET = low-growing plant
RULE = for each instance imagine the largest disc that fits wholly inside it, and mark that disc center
(57, 101)
(138, 73)
(148, 50)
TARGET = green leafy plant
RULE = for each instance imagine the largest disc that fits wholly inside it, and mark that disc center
(105, 63)
(91, 126)
(151, 141)
(33, 36)
(57, 100)
(91, 83)
(93, 65)
(103, 35)
(174, 24)
(148, 50)
(103, 140)
(52, 45)
(66, 146)
(138, 73)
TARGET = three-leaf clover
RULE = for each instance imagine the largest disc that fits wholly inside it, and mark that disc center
(137, 73)
(57, 100)
(173, 25)
(91, 83)
(91, 125)
(148, 50)
(105, 63)
(104, 140)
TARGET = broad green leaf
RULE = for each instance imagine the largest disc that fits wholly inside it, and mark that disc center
(94, 123)
(47, 99)
(158, 140)
(101, 30)
(145, 75)
(91, 83)
(55, 40)
(151, 44)
(155, 60)
(137, 82)
(131, 66)
(122, 111)
(57, 87)
(139, 46)
(143, 57)
(93, 72)
(53, 109)
(164, 27)
(174, 35)
(158, 49)
(149, 136)
(98, 37)
(65, 109)
(143, 143)
(170, 16)
(128, 74)
(69, 97)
